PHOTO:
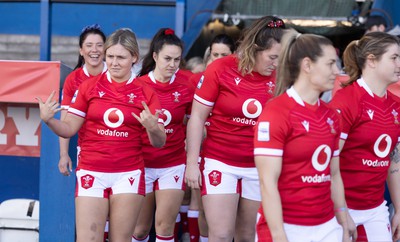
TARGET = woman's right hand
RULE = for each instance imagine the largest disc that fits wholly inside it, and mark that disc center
(193, 176)
(65, 165)
(49, 108)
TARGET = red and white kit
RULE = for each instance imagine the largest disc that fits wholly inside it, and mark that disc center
(306, 137)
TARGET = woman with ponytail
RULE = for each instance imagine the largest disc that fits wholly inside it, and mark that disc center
(296, 145)
(369, 154)
(165, 167)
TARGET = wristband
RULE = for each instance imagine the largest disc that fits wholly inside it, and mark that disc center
(342, 209)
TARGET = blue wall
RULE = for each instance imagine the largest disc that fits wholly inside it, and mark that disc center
(19, 177)
(67, 19)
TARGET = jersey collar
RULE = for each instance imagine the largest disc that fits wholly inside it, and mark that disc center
(87, 73)
(133, 76)
(364, 85)
(153, 79)
(296, 97)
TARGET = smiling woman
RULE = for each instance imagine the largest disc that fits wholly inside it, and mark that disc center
(115, 109)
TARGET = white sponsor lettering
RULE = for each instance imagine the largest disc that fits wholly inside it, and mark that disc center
(169, 131)
(316, 178)
(375, 163)
(113, 133)
(244, 121)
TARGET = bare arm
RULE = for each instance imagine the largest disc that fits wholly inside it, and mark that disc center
(337, 193)
(393, 181)
(155, 131)
(269, 169)
(194, 136)
(65, 163)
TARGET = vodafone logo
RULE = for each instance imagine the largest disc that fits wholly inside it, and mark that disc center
(321, 157)
(168, 116)
(113, 117)
(382, 145)
(251, 108)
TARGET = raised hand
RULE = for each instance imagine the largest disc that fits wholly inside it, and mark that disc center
(49, 108)
(147, 119)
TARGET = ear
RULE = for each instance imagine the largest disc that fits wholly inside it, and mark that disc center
(306, 65)
(154, 56)
(370, 61)
(134, 59)
(80, 52)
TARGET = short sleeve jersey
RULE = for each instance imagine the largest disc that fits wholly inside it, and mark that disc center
(306, 137)
(236, 102)
(113, 137)
(176, 100)
(371, 129)
(70, 88)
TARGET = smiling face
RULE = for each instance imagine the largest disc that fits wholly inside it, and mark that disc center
(267, 60)
(323, 72)
(92, 50)
(119, 62)
(167, 61)
(388, 67)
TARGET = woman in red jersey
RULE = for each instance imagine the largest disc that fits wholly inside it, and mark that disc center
(233, 89)
(371, 132)
(296, 148)
(116, 109)
(221, 45)
(165, 167)
(90, 63)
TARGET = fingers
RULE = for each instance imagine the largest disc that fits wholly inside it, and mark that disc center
(136, 117)
(145, 106)
(50, 98)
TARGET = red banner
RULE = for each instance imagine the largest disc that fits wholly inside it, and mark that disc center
(21, 82)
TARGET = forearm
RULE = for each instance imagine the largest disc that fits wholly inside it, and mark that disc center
(60, 128)
(337, 193)
(64, 146)
(272, 207)
(157, 136)
(194, 138)
(393, 179)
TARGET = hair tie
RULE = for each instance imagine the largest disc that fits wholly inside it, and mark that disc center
(169, 32)
(91, 27)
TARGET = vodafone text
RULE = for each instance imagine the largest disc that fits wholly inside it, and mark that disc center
(316, 178)
(375, 163)
(244, 121)
(113, 133)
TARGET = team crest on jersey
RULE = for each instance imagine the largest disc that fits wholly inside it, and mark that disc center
(200, 82)
(330, 122)
(87, 181)
(270, 86)
(215, 178)
(176, 96)
(131, 96)
(395, 116)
